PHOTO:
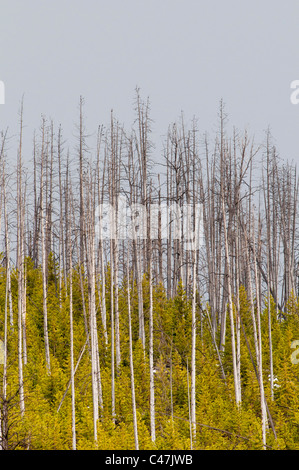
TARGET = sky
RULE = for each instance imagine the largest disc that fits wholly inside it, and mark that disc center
(185, 56)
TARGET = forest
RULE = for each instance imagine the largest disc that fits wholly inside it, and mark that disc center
(182, 335)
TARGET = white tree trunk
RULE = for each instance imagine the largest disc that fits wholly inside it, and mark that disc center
(151, 351)
(231, 309)
(20, 266)
(131, 359)
(193, 353)
(44, 259)
(72, 349)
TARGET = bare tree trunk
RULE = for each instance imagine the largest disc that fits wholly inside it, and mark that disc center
(95, 372)
(136, 247)
(102, 294)
(7, 293)
(20, 266)
(256, 330)
(131, 357)
(231, 308)
(44, 259)
(260, 353)
(112, 335)
(7, 241)
(151, 345)
(62, 264)
(24, 312)
(189, 409)
(114, 192)
(269, 267)
(81, 152)
(72, 342)
(193, 351)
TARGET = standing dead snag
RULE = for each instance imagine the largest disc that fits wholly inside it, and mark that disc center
(229, 287)
(234, 256)
(20, 264)
(81, 182)
(259, 348)
(44, 159)
(70, 253)
(151, 342)
(100, 190)
(89, 236)
(193, 345)
(7, 287)
(131, 354)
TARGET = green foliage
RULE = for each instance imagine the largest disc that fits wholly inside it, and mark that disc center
(220, 424)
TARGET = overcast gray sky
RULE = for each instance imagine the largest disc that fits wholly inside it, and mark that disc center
(185, 55)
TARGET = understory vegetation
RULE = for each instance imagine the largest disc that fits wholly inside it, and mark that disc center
(188, 339)
(220, 423)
